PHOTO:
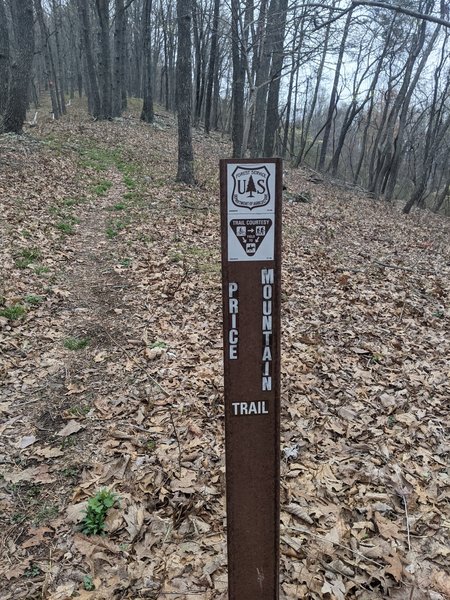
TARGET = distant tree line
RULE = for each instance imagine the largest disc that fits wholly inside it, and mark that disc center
(351, 88)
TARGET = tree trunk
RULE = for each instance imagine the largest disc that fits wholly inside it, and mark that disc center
(237, 127)
(184, 93)
(17, 103)
(104, 59)
(272, 115)
(94, 94)
(48, 61)
(262, 78)
(212, 65)
(334, 92)
(397, 158)
(61, 85)
(119, 50)
(147, 113)
(4, 58)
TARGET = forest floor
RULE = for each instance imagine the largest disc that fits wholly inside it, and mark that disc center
(111, 367)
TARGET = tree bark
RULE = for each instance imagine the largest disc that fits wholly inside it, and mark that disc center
(17, 102)
(147, 113)
(61, 85)
(119, 50)
(94, 94)
(104, 59)
(237, 127)
(184, 93)
(262, 79)
(4, 58)
(334, 91)
(272, 115)
(48, 60)
(212, 65)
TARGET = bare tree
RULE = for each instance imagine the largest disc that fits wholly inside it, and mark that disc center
(184, 93)
(93, 90)
(119, 58)
(104, 70)
(147, 113)
(21, 65)
(4, 58)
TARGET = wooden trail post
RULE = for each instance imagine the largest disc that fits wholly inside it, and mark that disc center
(251, 193)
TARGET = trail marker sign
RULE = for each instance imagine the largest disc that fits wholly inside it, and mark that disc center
(251, 267)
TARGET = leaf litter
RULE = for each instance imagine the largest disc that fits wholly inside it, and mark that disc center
(137, 406)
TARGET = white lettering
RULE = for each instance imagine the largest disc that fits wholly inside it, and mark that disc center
(233, 336)
(267, 323)
(267, 292)
(267, 384)
(267, 276)
(249, 408)
(267, 307)
(233, 333)
(233, 305)
(267, 279)
(267, 354)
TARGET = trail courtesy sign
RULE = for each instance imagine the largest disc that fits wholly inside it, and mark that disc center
(251, 265)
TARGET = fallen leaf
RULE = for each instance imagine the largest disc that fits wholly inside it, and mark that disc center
(26, 441)
(135, 519)
(71, 427)
(300, 512)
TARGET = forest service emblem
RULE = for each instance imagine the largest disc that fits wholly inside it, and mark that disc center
(250, 189)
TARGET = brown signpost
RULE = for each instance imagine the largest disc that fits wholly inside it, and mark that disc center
(251, 268)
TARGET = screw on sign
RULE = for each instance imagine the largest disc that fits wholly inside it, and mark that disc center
(251, 266)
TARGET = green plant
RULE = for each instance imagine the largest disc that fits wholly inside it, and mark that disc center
(73, 343)
(150, 445)
(99, 159)
(376, 358)
(79, 410)
(113, 228)
(129, 182)
(40, 270)
(66, 227)
(158, 345)
(102, 187)
(69, 202)
(68, 442)
(33, 300)
(125, 262)
(13, 312)
(72, 472)
(18, 518)
(96, 510)
(27, 256)
(132, 196)
(119, 206)
(175, 257)
(88, 583)
(32, 571)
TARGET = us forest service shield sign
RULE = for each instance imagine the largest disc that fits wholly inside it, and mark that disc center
(251, 211)
(250, 189)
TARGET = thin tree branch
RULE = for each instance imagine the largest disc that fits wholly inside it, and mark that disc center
(400, 9)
